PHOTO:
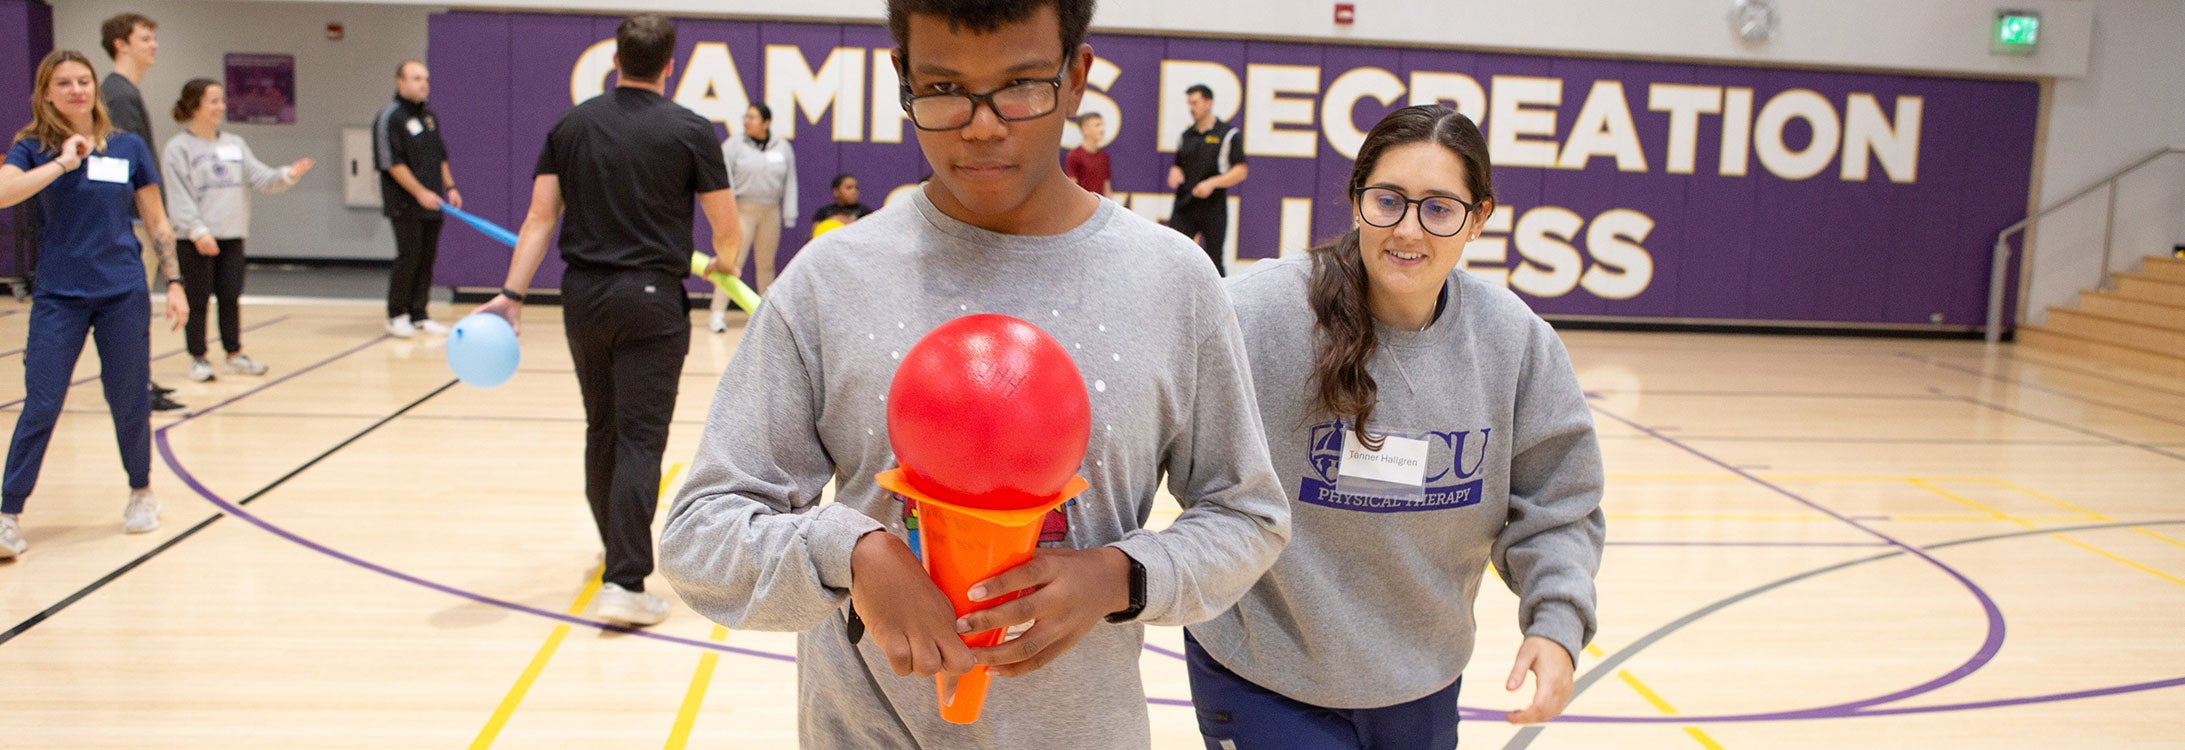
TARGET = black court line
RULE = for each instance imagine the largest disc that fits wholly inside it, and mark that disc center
(1609, 665)
(2149, 447)
(155, 358)
(2163, 418)
(2095, 374)
(140, 560)
(426, 417)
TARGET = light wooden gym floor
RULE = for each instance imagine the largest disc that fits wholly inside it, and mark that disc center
(1814, 542)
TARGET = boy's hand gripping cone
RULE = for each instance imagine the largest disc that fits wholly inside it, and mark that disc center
(989, 420)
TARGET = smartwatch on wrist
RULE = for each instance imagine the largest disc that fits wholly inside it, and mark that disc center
(512, 294)
(1137, 592)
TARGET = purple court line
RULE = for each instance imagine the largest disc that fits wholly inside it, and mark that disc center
(1749, 544)
(1989, 647)
(2027, 700)
(2057, 392)
(166, 452)
(155, 358)
(1614, 660)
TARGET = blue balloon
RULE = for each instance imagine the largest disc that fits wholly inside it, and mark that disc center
(482, 350)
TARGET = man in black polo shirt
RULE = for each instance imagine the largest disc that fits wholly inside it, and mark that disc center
(413, 173)
(1209, 161)
(625, 165)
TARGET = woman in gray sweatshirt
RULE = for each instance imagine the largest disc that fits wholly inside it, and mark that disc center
(1477, 446)
(763, 169)
(209, 178)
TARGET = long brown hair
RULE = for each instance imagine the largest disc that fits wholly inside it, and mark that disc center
(1337, 292)
(47, 124)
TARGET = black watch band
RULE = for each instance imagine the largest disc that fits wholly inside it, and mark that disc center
(1137, 592)
(512, 294)
(174, 280)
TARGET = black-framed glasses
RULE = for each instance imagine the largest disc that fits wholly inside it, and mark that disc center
(1023, 100)
(1440, 215)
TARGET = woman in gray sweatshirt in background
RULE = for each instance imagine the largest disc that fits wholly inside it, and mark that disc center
(1477, 447)
(209, 178)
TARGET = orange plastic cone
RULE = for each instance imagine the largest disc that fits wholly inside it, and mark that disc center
(989, 420)
(961, 546)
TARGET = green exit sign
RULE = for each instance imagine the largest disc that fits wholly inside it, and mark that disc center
(2017, 32)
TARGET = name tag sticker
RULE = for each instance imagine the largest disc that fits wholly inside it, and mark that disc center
(1400, 461)
(228, 152)
(416, 127)
(774, 157)
(106, 169)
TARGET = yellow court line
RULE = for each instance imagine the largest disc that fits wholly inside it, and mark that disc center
(2107, 554)
(687, 716)
(1714, 517)
(516, 692)
(2059, 536)
(531, 671)
(1968, 502)
(2090, 513)
(2158, 536)
(1663, 706)
(674, 470)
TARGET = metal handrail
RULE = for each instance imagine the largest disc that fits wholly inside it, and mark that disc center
(2002, 239)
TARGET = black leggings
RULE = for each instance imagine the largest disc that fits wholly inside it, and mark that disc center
(217, 276)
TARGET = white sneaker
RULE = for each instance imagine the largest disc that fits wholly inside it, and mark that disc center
(200, 370)
(399, 326)
(11, 538)
(240, 364)
(635, 609)
(719, 323)
(433, 327)
(142, 514)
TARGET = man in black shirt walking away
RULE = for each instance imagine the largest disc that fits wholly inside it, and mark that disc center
(625, 165)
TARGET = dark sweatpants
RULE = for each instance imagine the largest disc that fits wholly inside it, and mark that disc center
(217, 277)
(417, 245)
(121, 328)
(1205, 218)
(628, 334)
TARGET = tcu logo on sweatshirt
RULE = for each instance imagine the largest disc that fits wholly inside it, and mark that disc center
(1454, 463)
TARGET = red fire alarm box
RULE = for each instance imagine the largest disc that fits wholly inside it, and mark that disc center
(333, 32)
(1345, 13)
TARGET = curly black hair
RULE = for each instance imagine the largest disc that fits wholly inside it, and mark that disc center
(987, 15)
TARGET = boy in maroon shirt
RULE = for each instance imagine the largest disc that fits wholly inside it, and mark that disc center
(1087, 164)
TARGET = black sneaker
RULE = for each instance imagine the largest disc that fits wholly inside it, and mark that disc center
(161, 390)
(160, 402)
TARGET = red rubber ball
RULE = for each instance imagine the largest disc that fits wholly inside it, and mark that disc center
(989, 411)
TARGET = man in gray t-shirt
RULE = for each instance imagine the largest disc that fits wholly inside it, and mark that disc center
(999, 229)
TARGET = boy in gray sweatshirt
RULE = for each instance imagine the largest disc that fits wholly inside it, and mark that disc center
(999, 229)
